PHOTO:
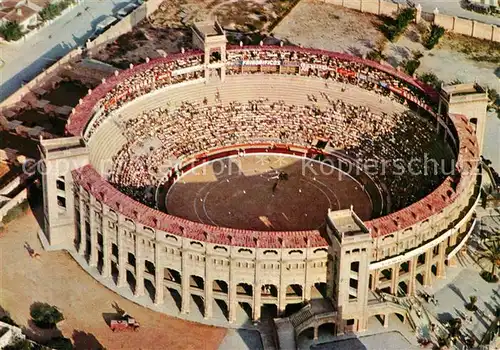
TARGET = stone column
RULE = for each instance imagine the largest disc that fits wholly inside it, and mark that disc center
(93, 236)
(208, 287)
(418, 13)
(375, 279)
(453, 241)
(106, 251)
(413, 275)
(257, 301)
(315, 333)
(139, 267)
(185, 283)
(395, 279)
(256, 291)
(159, 271)
(428, 268)
(386, 320)
(83, 232)
(441, 271)
(122, 271)
(233, 294)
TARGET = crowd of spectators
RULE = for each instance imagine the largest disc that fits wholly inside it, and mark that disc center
(383, 143)
(311, 63)
(192, 128)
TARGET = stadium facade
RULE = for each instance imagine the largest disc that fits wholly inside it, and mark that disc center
(152, 251)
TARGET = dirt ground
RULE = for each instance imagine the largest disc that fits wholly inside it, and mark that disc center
(315, 24)
(457, 58)
(168, 29)
(238, 193)
(57, 279)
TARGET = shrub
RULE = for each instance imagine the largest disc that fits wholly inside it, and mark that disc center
(45, 315)
(60, 343)
(20, 344)
(51, 11)
(471, 306)
(393, 28)
(411, 66)
(488, 277)
(11, 31)
(375, 55)
(436, 33)
(431, 79)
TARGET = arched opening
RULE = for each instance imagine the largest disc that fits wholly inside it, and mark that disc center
(131, 259)
(247, 308)
(421, 259)
(318, 290)
(434, 270)
(174, 279)
(220, 287)
(327, 330)
(402, 289)
(404, 267)
(244, 289)
(196, 282)
(150, 288)
(420, 278)
(114, 271)
(268, 311)
(400, 317)
(100, 261)
(386, 290)
(173, 276)
(375, 320)
(220, 294)
(473, 121)
(269, 290)
(131, 280)
(292, 308)
(370, 281)
(385, 275)
(149, 267)
(294, 291)
(306, 334)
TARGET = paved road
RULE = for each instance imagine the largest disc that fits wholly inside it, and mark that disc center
(24, 60)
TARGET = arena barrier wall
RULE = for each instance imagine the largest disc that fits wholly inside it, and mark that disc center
(452, 24)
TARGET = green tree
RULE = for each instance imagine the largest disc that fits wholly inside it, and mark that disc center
(491, 254)
(45, 315)
(11, 31)
(433, 38)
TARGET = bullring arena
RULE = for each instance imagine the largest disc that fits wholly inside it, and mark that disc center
(196, 177)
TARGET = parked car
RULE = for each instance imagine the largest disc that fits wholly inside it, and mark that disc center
(126, 10)
(102, 26)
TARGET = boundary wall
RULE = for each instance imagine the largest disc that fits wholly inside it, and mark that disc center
(452, 24)
(126, 24)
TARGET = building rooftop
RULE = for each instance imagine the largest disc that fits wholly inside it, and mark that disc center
(346, 222)
(462, 89)
(209, 28)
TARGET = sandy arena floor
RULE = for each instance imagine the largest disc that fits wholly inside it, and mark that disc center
(56, 279)
(238, 192)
